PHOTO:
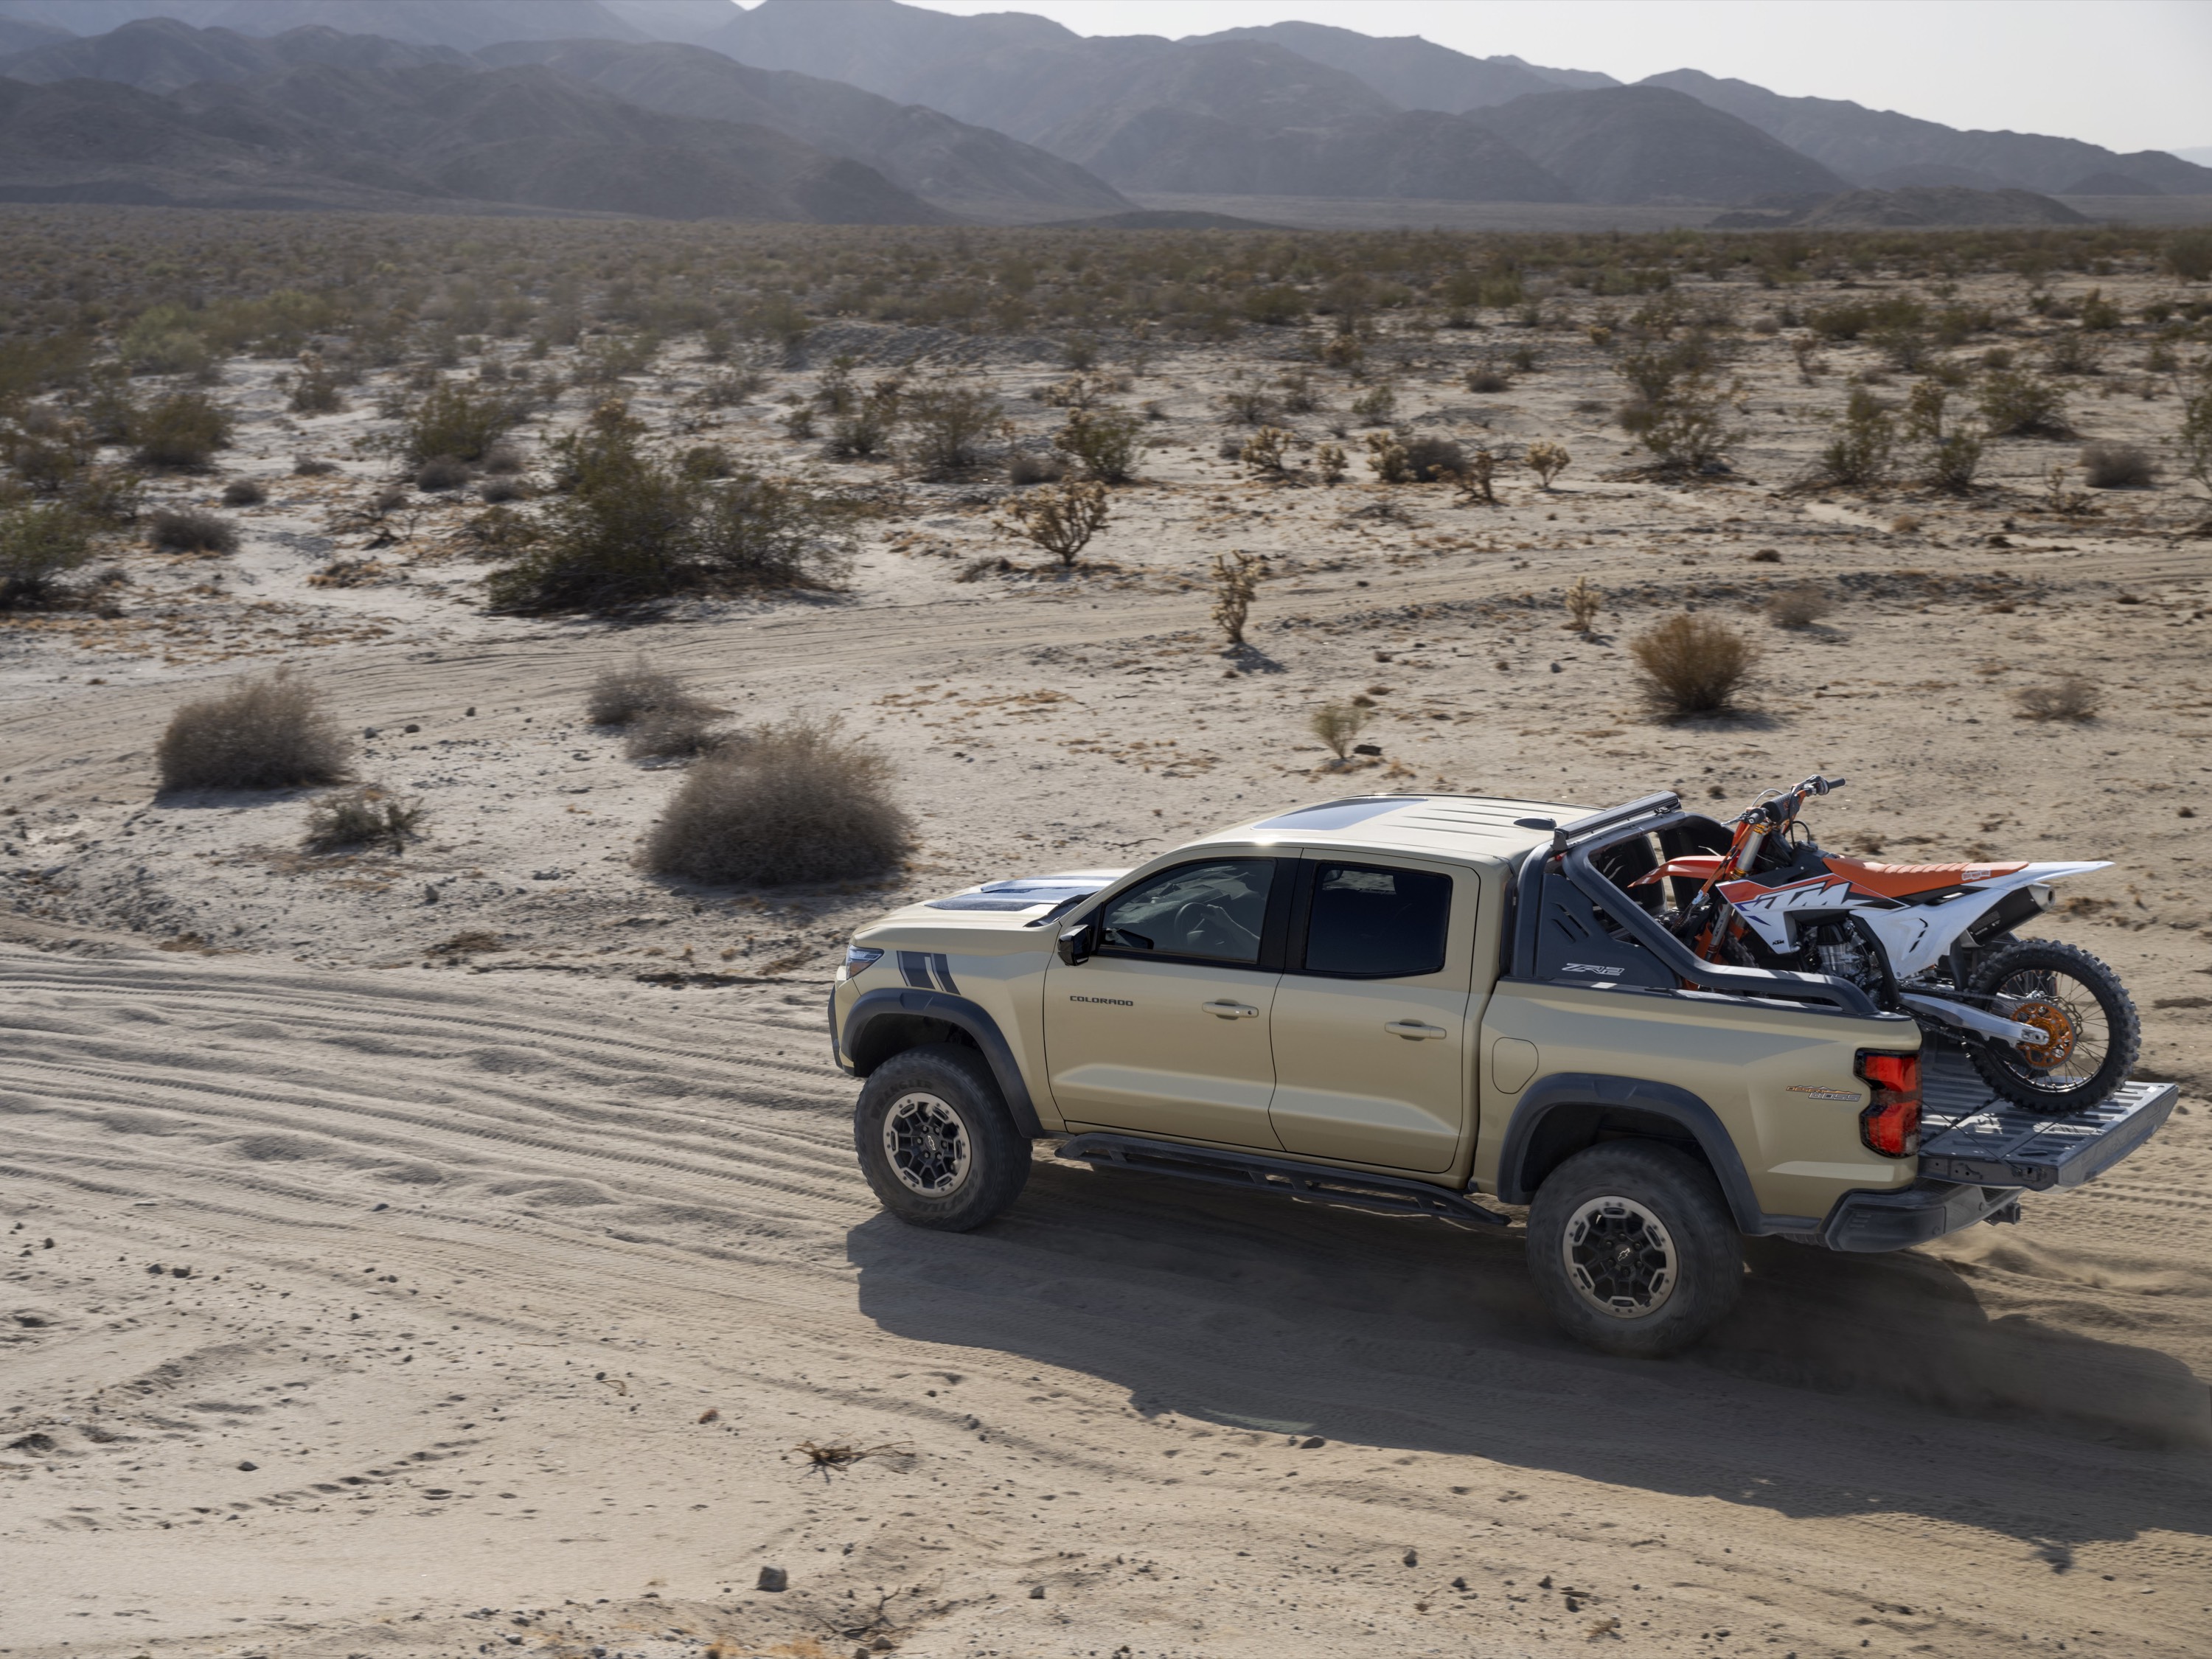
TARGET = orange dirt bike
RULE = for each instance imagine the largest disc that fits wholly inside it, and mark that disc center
(2046, 1024)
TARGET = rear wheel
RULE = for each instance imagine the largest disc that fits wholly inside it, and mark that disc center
(936, 1141)
(2079, 1004)
(1632, 1247)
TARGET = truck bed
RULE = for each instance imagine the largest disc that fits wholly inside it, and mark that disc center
(1971, 1134)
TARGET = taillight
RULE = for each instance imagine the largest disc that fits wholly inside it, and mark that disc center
(1890, 1124)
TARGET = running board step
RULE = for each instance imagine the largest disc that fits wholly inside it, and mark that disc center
(1353, 1189)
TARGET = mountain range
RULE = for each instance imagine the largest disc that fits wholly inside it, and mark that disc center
(877, 111)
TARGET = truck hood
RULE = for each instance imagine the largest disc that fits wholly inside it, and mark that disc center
(1027, 893)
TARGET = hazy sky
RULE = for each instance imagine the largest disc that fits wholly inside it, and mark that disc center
(2129, 74)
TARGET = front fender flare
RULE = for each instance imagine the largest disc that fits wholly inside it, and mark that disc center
(962, 1015)
(1565, 1091)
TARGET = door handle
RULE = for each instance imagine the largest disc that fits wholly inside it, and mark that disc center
(1232, 1010)
(1413, 1031)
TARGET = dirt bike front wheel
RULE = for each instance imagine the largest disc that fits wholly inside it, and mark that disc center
(2079, 1003)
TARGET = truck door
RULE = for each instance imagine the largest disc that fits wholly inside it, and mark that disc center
(1371, 1027)
(1164, 1030)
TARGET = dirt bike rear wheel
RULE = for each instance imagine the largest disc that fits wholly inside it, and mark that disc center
(2095, 1032)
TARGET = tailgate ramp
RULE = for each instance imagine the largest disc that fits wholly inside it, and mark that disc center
(1971, 1134)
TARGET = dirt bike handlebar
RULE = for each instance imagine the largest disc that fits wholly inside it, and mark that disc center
(1783, 808)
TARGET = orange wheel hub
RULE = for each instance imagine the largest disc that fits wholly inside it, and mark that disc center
(2055, 1023)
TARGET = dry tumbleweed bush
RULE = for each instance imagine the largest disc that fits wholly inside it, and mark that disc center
(1584, 598)
(799, 802)
(361, 817)
(1337, 724)
(2068, 697)
(1693, 665)
(1061, 519)
(268, 733)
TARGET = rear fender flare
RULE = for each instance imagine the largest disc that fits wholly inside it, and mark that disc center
(961, 1015)
(1575, 1101)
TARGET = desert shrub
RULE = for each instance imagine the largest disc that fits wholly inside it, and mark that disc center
(946, 425)
(162, 341)
(1079, 351)
(799, 802)
(498, 492)
(1859, 455)
(1339, 724)
(1249, 405)
(361, 817)
(2017, 403)
(39, 546)
(2075, 352)
(2099, 314)
(1430, 458)
(1950, 455)
(441, 473)
(1061, 519)
(2194, 439)
(315, 388)
(244, 492)
(630, 528)
(606, 358)
(1475, 477)
(1266, 452)
(676, 732)
(861, 426)
(1386, 457)
(1299, 395)
(1487, 376)
(1025, 467)
(187, 530)
(268, 734)
(618, 695)
(181, 431)
(1329, 461)
(1104, 444)
(108, 495)
(1546, 460)
(1799, 605)
(453, 421)
(1584, 599)
(1376, 406)
(1235, 580)
(2117, 466)
(502, 460)
(310, 466)
(2188, 255)
(2068, 697)
(1693, 663)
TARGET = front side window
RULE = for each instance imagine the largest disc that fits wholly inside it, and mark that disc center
(1211, 912)
(1368, 922)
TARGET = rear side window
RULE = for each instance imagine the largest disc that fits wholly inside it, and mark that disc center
(1368, 922)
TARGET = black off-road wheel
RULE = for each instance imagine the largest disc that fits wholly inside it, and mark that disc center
(936, 1140)
(1632, 1247)
(2079, 1003)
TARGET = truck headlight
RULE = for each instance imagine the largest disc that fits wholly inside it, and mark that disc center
(858, 958)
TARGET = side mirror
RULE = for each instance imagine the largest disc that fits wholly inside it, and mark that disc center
(1074, 945)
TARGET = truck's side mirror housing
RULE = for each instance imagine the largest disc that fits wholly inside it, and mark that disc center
(1075, 943)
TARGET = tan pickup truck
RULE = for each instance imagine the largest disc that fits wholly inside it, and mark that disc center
(1443, 1005)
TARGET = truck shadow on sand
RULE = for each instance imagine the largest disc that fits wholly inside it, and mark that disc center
(1841, 1385)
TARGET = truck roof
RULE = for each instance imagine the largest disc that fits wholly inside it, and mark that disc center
(1482, 826)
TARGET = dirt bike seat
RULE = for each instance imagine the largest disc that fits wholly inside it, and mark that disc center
(1899, 881)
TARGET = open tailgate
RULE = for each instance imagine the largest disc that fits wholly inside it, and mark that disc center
(1971, 1134)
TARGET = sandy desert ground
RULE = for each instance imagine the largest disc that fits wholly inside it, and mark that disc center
(575, 1252)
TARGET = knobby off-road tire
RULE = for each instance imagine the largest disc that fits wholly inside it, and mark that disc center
(1632, 1247)
(2062, 982)
(936, 1140)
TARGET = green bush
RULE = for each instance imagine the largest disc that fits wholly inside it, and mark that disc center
(165, 341)
(181, 431)
(2189, 253)
(1104, 443)
(453, 421)
(40, 545)
(2017, 403)
(1950, 455)
(631, 529)
(1859, 455)
(946, 425)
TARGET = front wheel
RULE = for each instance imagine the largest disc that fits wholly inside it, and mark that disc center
(2079, 1004)
(936, 1140)
(1632, 1247)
